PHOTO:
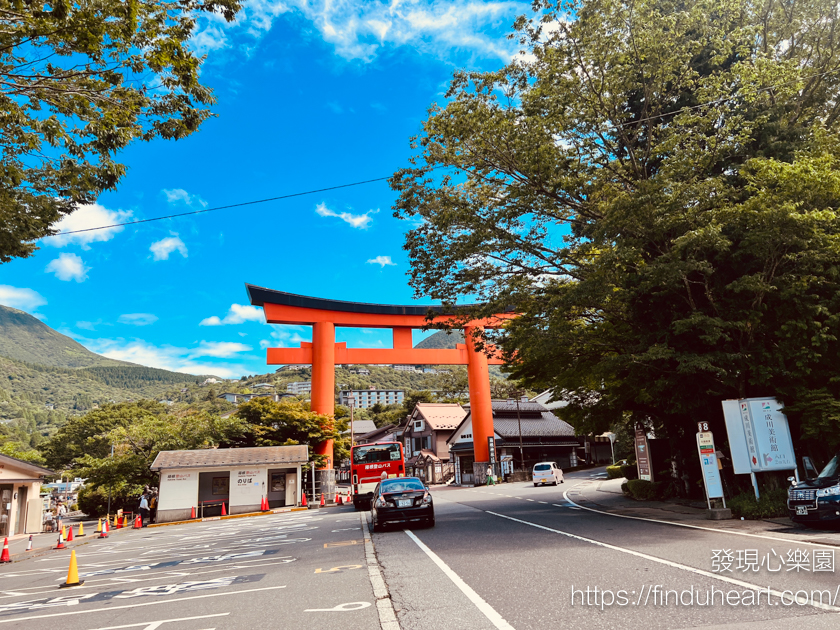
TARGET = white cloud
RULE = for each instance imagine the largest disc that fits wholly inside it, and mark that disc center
(162, 248)
(362, 29)
(219, 349)
(238, 314)
(68, 267)
(88, 216)
(176, 196)
(382, 261)
(361, 221)
(88, 325)
(24, 299)
(137, 319)
(165, 357)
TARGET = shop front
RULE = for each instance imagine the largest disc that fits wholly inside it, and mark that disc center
(236, 479)
(21, 508)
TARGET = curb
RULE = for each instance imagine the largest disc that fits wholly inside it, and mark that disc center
(229, 516)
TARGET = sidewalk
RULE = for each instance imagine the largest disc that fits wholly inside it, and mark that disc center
(607, 496)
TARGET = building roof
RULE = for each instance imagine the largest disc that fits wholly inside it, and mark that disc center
(231, 457)
(363, 426)
(439, 416)
(377, 434)
(29, 467)
(537, 421)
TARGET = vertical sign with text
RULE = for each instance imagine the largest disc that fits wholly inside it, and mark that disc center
(643, 455)
(708, 462)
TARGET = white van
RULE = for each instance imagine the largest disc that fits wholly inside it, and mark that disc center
(547, 472)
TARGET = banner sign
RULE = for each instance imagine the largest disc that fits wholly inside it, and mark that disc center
(759, 435)
(708, 462)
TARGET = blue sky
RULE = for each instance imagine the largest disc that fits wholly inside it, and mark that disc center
(311, 94)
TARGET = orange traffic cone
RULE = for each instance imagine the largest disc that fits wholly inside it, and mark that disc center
(303, 502)
(72, 573)
(98, 527)
(81, 530)
(104, 532)
(60, 544)
(70, 534)
(29, 546)
(6, 557)
(224, 512)
(138, 522)
(322, 500)
(192, 513)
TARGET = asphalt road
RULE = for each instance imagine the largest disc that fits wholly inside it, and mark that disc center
(509, 556)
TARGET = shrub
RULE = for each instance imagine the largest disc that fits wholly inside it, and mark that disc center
(630, 471)
(625, 488)
(773, 503)
(641, 489)
(94, 501)
(614, 472)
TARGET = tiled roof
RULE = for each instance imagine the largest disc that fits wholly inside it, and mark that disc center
(363, 426)
(441, 415)
(537, 421)
(225, 457)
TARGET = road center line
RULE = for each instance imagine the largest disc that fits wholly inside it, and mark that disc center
(488, 611)
(708, 529)
(676, 565)
(156, 603)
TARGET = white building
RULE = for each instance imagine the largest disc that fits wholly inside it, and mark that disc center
(239, 478)
(299, 387)
(365, 398)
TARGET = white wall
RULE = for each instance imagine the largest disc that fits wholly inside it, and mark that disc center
(178, 489)
(247, 485)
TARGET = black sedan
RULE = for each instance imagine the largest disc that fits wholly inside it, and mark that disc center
(401, 500)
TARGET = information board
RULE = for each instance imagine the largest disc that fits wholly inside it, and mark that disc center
(708, 462)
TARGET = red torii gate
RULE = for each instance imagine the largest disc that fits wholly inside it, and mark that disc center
(323, 353)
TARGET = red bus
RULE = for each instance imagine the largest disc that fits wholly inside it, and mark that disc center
(370, 464)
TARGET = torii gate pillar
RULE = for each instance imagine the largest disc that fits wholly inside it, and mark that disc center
(323, 353)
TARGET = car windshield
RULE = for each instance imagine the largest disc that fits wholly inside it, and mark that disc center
(542, 467)
(830, 469)
(401, 485)
(376, 453)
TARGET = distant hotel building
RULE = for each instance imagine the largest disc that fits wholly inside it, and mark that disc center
(365, 398)
(299, 387)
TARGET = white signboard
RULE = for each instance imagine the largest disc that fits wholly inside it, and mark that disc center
(759, 435)
(708, 461)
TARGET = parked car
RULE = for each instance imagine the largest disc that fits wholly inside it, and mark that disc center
(817, 500)
(401, 500)
(547, 472)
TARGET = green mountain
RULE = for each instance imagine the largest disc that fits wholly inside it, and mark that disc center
(442, 340)
(25, 338)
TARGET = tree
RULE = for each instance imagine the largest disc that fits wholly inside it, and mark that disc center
(91, 434)
(136, 445)
(654, 188)
(288, 422)
(80, 81)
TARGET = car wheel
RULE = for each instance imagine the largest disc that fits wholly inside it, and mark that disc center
(555, 482)
(535, 484)
(430, 522)
(374, 527)
(562, 481)
(357, 507)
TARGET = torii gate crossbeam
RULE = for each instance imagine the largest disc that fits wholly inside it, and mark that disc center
(323, 353)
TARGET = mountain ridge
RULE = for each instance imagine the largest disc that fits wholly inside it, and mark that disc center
(26, 338)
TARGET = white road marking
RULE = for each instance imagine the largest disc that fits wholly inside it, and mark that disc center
(487, 610)
(543, 502)
(676, 565)
(577, 506)
(155, 603)
(341, 607)
(153, 625)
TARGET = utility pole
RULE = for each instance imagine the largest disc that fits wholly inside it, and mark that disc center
(352, 400)
(109, 487)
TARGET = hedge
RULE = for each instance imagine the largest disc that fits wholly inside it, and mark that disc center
(773, 503)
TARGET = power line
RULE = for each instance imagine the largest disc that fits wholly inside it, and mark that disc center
(233, 205)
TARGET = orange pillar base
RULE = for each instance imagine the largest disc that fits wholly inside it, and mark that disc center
(481, 406)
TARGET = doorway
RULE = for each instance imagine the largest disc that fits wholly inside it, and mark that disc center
(20, 515)
(5, 508)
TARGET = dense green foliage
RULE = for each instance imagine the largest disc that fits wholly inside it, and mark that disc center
(657, 186)
(79, 82)
(773, 503)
